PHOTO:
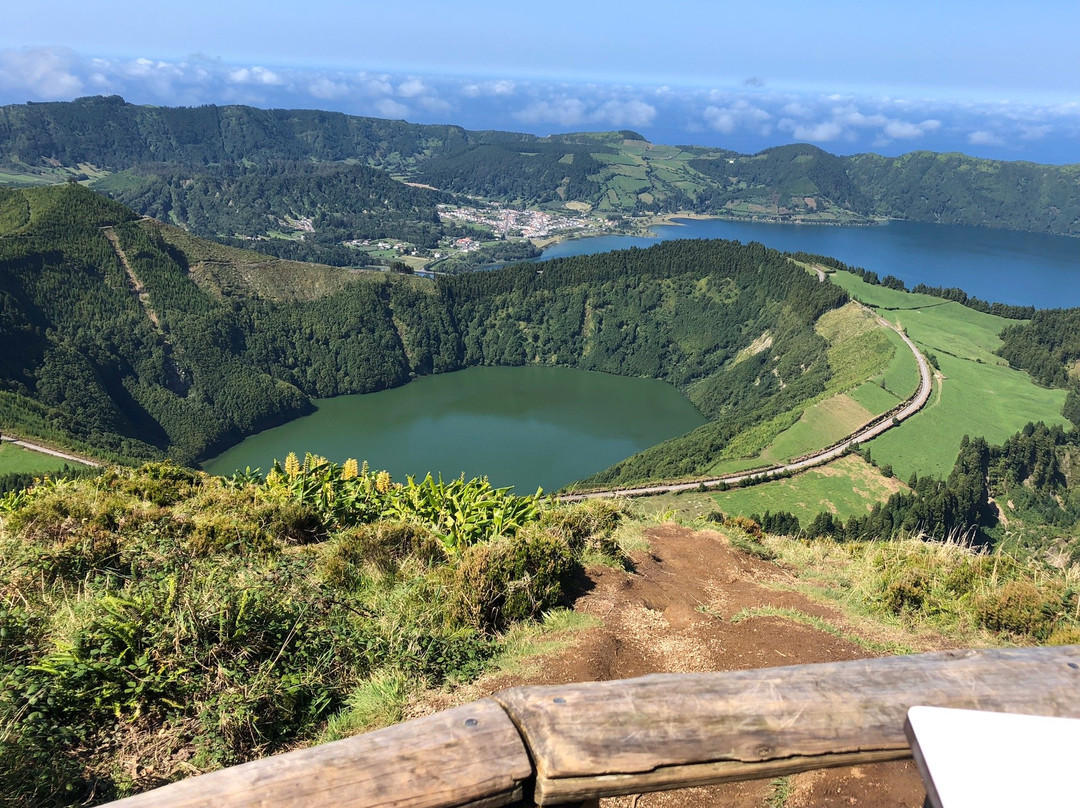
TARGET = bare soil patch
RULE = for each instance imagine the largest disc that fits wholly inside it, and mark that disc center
(672, 614)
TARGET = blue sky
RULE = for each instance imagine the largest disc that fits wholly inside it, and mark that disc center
(987, 78)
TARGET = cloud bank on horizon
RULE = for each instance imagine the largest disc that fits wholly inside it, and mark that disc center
(747, 116)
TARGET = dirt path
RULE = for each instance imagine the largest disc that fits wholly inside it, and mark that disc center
(137, 288)
(673, 614)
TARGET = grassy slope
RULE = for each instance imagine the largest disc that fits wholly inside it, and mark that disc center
(846, 487)
(862, 355)
(163, 622)
(821, 425)
(228, 270)
(979, 395)
(15, 459)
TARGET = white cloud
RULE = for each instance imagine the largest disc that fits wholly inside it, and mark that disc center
(328, 89)
(389, 108)
(625, 113)
(433, 104)
(375, 85)
(411, 88)
(851, 116)
(903, 129)
(1035, 132)
(739, 115)
(41, 72)
(980, 137)
(563, 111)
(500, 87)
(255, 75)
(820, 132)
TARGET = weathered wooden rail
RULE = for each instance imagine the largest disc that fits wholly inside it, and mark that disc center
(572, 743)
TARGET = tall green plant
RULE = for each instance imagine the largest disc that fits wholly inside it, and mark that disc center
(463, 513)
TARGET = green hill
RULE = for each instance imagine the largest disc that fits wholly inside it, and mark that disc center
(297, 210)
(175, 161)
(139, 340)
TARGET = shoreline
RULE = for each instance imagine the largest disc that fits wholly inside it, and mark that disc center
(642, 226)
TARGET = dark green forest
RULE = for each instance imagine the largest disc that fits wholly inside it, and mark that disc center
(188, 367)
(795, 170)
(341, 201)
(113, 134)
(524, 172)
(956, 189)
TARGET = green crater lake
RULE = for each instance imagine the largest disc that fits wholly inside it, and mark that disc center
(520, 426)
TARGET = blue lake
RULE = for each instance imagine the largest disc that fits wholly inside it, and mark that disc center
(996, 265)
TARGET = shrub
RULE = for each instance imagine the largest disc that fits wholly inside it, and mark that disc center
(907, 589)
(381, 546)
(1022, 607)
(587, 526)
(462, 513)
(509, 579)
(746, 525)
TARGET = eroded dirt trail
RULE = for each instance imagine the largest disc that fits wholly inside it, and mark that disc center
(673, 614)
(137, 289)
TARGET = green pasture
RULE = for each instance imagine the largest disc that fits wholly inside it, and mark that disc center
(821, 425)
(862, 354)
(626, 184)
(17, 460)
(974, 399)
(667, 174)
(979, 394)
(901, 377)
(874, 397)
(617, 159)
(846, 487)
(14, 178)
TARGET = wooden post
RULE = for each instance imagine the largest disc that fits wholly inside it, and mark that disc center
(675, 730)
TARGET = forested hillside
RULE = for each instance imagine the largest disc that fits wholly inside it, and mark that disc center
(526, 171)
(799, 170)
(173, 369)
(109, 133)
(957, 189)
(687, 312)
(311, 208)
(185, 157)
(128, 340)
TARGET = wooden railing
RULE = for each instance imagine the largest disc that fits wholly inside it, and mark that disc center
(575, 743)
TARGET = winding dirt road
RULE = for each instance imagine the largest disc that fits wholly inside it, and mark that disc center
(871, 430)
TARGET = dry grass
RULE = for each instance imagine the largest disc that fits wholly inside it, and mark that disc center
(946, 589)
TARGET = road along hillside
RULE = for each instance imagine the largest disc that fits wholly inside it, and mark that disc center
(866, 432)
